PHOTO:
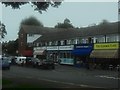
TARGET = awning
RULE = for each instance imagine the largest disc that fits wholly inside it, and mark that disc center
(81, 52)
(104, 54)
(40, 52)
(27, 53)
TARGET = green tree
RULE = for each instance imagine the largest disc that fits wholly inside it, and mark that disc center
(38, 6)
(2, 30)
(10, 47)
(65, 24)
(31, 21)
(104, 22)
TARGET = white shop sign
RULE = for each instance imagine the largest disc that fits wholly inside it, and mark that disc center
(70, 47)
(52, 48)
(39, 48)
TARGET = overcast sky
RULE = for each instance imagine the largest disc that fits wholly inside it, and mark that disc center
(81, 14)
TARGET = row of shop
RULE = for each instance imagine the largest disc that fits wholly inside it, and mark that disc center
(81, 53)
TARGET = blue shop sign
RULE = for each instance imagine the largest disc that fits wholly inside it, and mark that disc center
(82, 49)
(83, 46)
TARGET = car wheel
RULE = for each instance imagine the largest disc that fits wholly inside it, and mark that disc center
(8, 68)
(53, 67)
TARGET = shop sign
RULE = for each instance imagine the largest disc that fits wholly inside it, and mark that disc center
(52, 48)
(70, 47)
(39, 48)
(106, 46)
(83, 46)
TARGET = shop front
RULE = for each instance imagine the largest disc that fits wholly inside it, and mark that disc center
(40, 52)
(106, 54)
(81, 54)
(65, 55)
(52, 53)
(61, 54)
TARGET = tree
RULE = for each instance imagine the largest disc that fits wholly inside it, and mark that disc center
(65, 24)
(31, 21)
(104, 22)
(2, 30)
(10, 47)
(38, 6)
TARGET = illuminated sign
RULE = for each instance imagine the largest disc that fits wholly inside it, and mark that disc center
(52, 48)
(84, 46)
(70, 47)
(106, 46)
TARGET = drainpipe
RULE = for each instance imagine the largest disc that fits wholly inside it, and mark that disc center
(105, 38)
(58, 53)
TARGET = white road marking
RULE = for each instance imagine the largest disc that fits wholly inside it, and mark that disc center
(109, 77)
(80, 85)
(28, 77)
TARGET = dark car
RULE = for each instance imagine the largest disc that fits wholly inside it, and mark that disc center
(5, 64)
(46, 64)
(29, 61)
(34, 62)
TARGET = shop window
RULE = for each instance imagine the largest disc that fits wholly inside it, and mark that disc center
(96, 40)
(100, 39)
(64, 55)
(50, 43)
(118, 39)
(47, 43)
(86, 41)
(30, 35)
(68, 55)
(83, 40)
(80, 40)
(56, 43)
(37, 44)
(72, 56)
(77, 42)
(65, 42)
(111, 38)
(43, 44)
(61, 55)
(62, 42)
(90, 40)
(68, 42)
(59, 43)
(72, 41)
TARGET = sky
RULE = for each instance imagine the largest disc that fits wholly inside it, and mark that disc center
(81, 14)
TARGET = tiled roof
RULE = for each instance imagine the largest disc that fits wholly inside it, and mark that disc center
(52, 34)
(34, 29)
(61, 34)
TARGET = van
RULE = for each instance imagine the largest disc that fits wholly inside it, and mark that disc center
(21, 60)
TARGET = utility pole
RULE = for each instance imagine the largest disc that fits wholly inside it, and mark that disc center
(0, 43)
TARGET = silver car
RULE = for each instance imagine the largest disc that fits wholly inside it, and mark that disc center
(4, 63)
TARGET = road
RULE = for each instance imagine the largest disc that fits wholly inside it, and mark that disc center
(65, 76)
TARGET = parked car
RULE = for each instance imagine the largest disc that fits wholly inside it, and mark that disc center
(46, 64)
(21, 61)
(4, 63)
(35, 62)
(28, 61)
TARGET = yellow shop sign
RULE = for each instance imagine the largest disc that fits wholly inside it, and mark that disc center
(106, 46)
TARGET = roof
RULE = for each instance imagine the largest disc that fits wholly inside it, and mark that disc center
(34, 29)
(61, 34)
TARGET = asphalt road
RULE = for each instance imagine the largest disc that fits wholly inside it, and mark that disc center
(65, 77)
